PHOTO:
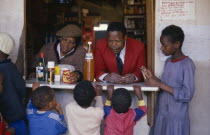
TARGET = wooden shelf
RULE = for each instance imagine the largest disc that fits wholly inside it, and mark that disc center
(136, 4)
(134, 15)
(134, 20)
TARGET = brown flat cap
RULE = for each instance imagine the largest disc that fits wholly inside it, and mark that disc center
(70, 31)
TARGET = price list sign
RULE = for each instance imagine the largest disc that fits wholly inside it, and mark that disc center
(177, 10)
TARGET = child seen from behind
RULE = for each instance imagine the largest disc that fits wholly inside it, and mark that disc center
(42, 120)
(120, 119)
(82, 118)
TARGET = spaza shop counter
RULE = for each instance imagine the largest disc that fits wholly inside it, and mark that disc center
(64, 95)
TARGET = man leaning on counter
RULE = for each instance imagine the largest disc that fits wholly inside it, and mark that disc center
(118, 58)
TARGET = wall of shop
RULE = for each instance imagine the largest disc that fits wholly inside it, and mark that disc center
(12, 20)
(196, 26)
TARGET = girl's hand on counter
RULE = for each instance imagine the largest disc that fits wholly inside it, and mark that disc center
(151, 79)
(35, 86)
(151, 75)
(153, 82)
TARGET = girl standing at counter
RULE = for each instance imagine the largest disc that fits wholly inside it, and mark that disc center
(177, 86)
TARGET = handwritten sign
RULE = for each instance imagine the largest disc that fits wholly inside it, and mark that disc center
(177, 9)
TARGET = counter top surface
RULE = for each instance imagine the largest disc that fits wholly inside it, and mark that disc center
(60, 85)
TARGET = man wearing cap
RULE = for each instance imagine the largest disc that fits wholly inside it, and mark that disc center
(66, 50)
(118, 58)
(13, 94)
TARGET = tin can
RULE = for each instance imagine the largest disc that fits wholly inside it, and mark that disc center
(66, 76)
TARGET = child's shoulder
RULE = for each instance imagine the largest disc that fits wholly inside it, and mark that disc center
(185, 59)
(54, 116)
(188, 63)
(71, 105)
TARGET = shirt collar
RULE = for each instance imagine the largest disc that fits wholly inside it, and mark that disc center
(122, 52)
(59, 51)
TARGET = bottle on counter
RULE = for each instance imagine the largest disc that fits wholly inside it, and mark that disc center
(89, 64)
(41, 68)
(57, 75)
(50, 71)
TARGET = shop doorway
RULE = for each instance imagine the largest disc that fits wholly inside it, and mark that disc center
(35, 37)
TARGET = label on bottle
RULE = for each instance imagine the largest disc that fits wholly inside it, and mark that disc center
(40, 73)
(50, 75)
(40, 64)
(89, 56)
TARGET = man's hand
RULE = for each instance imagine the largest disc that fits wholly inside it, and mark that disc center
(137, 91)
(129, 78)
(98, 90)
(74, 76)
(110, 90)
(35, 86)
(58, 109)
(113, 78)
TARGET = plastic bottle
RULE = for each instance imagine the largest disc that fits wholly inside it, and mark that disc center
(89, 64)
(50, 71)
(41, 68)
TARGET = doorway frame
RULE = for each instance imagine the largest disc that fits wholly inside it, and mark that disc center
(150, 16)
(150, 29)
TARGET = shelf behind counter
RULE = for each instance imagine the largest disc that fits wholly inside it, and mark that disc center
(60, 85)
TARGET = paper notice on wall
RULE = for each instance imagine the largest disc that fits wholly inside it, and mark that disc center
(177, 9)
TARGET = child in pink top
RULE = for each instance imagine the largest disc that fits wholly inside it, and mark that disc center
(120, 119)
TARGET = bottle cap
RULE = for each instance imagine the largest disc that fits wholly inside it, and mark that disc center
(50, 64)
(41, 55)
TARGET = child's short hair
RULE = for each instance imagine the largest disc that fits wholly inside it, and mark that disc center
(42, 96)
(84, 93)
(121, 100)
(175, 33)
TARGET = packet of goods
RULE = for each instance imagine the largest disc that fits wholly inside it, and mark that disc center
(144, 72)
(66, 76)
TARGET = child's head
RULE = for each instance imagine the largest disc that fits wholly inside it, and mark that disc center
(121, 100)
(84, 93)
(43, 98)
(172, 38)
(7, 44)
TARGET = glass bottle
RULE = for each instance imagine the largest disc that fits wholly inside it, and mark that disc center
(50, 71)
(89, 64)
(41, 68)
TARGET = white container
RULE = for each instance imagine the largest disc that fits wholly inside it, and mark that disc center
(57, 78)
(50, 71)
(50, 64)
